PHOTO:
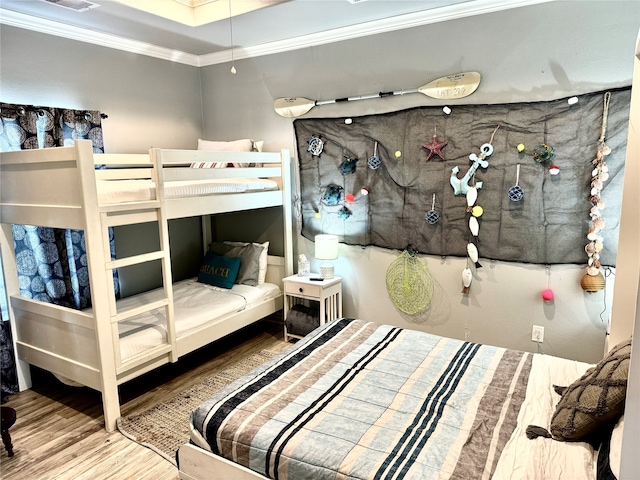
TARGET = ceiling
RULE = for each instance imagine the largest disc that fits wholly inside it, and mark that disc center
(273, 26)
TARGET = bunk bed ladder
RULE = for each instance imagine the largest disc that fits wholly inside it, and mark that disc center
(127, 214)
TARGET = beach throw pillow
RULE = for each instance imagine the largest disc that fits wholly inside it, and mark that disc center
(218, 270)
(590, 405)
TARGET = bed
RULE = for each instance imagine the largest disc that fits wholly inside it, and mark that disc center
(103, 347)
(357, 399)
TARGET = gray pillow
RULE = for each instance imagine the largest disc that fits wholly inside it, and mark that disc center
(249, 256)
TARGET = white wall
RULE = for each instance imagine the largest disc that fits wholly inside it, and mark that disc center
(534, 53)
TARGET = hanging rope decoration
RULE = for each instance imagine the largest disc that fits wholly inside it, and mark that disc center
(593, 280)
(409, 283)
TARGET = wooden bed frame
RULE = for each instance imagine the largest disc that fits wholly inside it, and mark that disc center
(57, 187)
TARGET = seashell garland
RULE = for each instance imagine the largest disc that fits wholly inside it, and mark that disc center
(599, 175)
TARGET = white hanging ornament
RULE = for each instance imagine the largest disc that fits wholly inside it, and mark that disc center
(467, 276)
(472, 196)
(474, 226)
(472, 251)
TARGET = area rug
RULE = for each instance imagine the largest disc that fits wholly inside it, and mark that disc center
(165, 427)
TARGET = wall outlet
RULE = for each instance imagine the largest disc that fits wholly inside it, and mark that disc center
(537, 334)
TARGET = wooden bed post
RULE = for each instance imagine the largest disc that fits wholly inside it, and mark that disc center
(287, 209)
(98, 274)
(11, 286)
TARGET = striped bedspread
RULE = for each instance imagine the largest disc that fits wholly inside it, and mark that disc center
(357, 399)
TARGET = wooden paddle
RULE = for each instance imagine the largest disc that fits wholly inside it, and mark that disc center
(458, 85)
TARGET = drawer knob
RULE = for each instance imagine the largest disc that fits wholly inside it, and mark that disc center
(301, 289)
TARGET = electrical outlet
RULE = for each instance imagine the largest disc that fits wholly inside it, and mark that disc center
(537, 334)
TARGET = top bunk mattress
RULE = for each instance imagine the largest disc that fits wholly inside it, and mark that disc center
(195, 304)
(119, 191)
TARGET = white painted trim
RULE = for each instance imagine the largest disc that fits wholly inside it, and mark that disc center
(28, 22)
(399, 22)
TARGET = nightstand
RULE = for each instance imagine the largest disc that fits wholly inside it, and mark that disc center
(326, 295)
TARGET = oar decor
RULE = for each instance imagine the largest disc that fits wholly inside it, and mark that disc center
(450, 87)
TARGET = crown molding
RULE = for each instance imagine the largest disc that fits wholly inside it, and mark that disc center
(36, 24)
(400, 22)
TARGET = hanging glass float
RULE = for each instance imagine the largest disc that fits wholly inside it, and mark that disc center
(374, 161)
(432, 216)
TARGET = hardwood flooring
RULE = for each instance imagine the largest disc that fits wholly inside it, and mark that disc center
(59, 433)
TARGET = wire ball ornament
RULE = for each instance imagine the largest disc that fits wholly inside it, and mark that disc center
(374, 161)
(516, 193)
(432, 215)
(409, 283)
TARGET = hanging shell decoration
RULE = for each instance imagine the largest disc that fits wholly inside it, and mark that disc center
(599, 175)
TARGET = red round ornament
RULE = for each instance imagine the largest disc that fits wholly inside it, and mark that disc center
(349, 197)
(547, 295)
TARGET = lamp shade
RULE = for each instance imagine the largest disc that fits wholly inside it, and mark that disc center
(326, 247)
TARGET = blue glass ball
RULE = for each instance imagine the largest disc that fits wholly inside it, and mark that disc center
(432, 217)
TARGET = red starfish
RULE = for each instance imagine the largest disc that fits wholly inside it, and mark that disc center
(435, 147)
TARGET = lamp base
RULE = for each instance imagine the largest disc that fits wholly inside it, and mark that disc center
(326, 271)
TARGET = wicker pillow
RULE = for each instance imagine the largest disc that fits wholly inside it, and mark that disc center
(595, 400)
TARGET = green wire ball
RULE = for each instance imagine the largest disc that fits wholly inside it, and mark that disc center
(409, 283)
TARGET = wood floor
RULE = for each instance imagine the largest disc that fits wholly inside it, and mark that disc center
(59, 433)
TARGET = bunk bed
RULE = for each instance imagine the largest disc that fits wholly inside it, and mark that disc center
(88, 347)
(356, 399)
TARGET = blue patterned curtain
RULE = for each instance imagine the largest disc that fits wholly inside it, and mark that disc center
(51, 263)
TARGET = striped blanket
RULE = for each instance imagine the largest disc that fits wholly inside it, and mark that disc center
(357, 399)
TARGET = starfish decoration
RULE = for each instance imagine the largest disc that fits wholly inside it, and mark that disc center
(435, 147)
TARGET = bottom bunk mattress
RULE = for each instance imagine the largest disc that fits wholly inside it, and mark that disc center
(360, 400)
(195, 304)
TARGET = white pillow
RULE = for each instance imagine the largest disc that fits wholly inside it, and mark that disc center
(262, 272)
(244, 145)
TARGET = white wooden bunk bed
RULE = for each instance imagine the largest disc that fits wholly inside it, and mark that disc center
(60, 188)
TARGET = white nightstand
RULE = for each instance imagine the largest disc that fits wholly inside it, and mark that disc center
(327, 293)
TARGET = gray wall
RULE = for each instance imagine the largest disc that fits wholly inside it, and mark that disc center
(534, 53)
(150, 103)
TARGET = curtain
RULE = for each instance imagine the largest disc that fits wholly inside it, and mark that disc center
(51, 263)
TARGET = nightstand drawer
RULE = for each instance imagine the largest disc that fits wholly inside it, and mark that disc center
(293, 288)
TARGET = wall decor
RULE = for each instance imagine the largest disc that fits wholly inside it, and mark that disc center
(409, 282)
(599, 175)
(548, 225)
(457, 85)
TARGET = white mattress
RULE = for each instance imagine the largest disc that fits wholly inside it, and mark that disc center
(118, 191)
(195, 304)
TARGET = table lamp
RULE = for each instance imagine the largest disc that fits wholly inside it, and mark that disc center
(326, 249)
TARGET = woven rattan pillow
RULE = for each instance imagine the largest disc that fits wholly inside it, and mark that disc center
(594, 400)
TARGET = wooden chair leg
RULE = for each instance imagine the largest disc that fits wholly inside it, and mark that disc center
(8, 419)
(6, 440)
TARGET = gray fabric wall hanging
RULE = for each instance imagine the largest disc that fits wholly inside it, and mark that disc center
(548, 225)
